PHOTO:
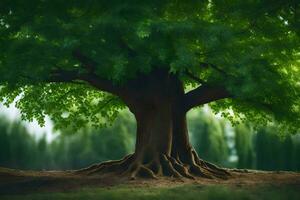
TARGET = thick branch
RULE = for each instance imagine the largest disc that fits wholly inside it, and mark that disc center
(103, 84)
(204, 94)
(67, 76)
(195, 78)
(63, 76)
(92, 78)
(207, 65)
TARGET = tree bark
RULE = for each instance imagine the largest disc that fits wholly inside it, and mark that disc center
(154, 131)
(180, 143)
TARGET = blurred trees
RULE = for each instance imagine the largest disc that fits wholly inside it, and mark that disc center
(19, 149)
(244, 146)
(272, 151)
(208, 136)
(90, 146)
(211, 136)
(265, 149)
(17, 146)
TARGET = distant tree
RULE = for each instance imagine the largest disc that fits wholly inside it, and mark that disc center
(296, 152)
(17, 146)
(244, 146)
(90, 145)
(273, 152)
(43, 156)
(208, 137)
(4, 142)
(22, 150)
(81, 61)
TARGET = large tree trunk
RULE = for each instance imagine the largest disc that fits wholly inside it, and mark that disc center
(154, 130)
(162, 143)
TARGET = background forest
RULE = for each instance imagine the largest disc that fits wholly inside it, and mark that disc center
(213, 137)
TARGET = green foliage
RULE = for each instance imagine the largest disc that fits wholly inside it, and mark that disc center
(256, 44)
(67, 104)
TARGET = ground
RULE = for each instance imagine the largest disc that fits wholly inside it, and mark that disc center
(242, 184)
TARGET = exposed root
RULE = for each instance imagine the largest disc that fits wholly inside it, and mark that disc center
(133, 166)
(181, 168)
(209, 166)
(106, 166)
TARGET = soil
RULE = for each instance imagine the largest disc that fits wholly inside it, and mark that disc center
(14, 181)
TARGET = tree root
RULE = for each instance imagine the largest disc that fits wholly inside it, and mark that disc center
(134, 166)
(212, 168)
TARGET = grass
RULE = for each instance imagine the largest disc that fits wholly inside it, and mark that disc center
(187, 192)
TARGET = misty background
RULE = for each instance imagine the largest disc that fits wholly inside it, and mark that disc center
(26, 145)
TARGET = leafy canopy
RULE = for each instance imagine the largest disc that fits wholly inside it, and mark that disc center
(251, 47)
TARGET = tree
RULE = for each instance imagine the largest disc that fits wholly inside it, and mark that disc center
(244, 146)
(4, 142)
(82, 61)
(17, 147)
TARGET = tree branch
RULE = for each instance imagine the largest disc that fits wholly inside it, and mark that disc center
(195, 78)
(68, 76)
(204, 94)
(207, 65)
(92, 78)
(62, 76)
(103, 84)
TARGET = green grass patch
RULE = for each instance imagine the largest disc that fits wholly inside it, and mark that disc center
(187, 192)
